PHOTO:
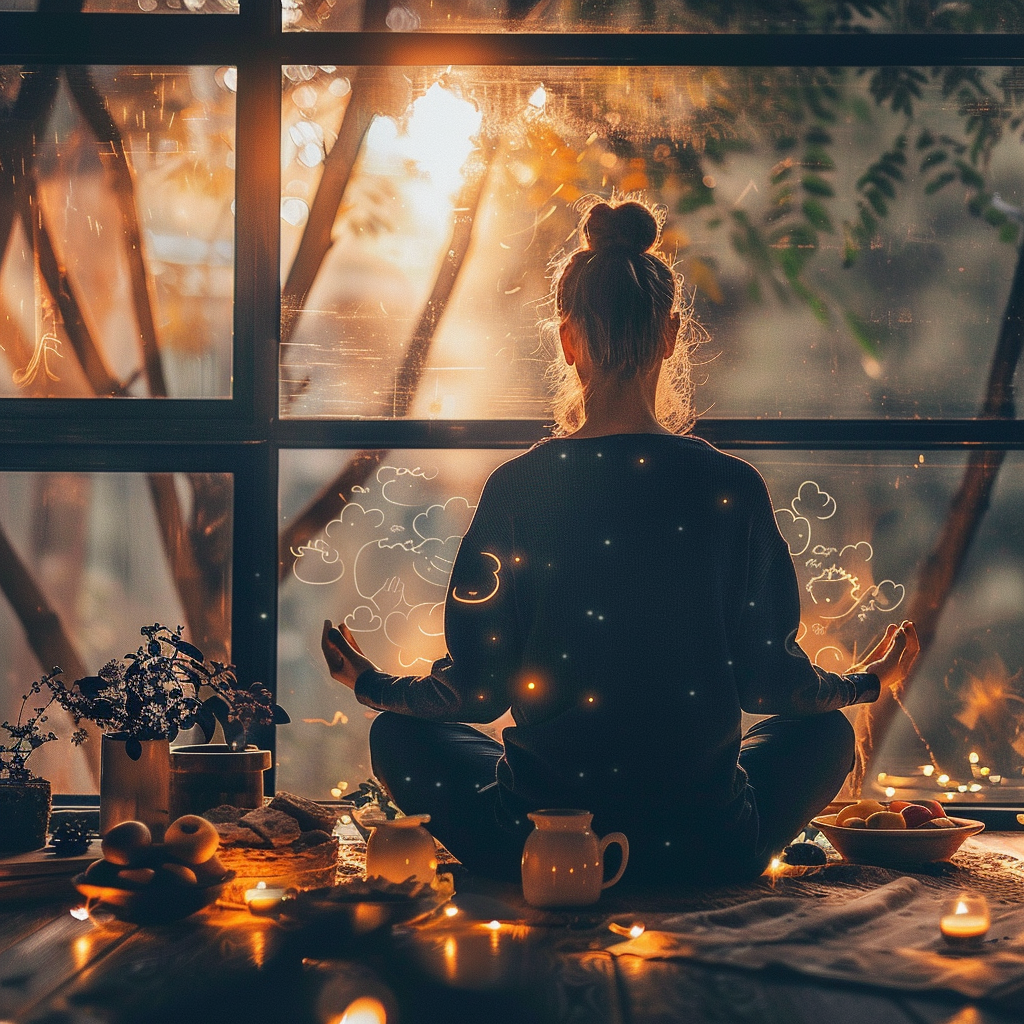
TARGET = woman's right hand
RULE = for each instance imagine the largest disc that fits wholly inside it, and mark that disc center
(341, 652)
(892, 658)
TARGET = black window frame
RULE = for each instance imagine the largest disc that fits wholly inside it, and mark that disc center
(243, 435)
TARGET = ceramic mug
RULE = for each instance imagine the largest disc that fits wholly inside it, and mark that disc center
(563, 861)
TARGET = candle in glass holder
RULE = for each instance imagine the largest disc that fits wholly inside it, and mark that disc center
(263, 900)
(965, 921)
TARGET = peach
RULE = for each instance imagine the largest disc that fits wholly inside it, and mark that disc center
(191, 839)
(861, 809)
(915, 815)
(899, 805)
(136, 876)
(124, 843)
(178, 873)
(210, 871)
(855, 823)
(886, 820)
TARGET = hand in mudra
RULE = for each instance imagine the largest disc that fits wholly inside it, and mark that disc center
(345, 660)
(892, 658)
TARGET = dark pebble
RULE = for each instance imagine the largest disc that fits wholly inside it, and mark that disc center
(803, 854)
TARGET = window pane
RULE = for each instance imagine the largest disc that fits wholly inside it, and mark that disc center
(137, 6)
(118, 273)
(384, 564)
(860, 526)
(645, 16)
(847, 237)
(86, 560)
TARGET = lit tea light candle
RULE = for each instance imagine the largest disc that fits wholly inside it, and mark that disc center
(965, 922)
(632, 931)
(263, 900)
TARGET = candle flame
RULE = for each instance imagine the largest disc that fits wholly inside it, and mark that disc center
(493, 925)
(961, 907)
(450, 911)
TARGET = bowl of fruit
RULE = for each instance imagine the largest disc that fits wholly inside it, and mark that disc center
(153, 883)
(898, 834)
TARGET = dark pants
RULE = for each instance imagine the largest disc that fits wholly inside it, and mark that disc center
(795, 766)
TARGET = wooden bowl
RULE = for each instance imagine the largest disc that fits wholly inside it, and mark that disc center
(154, 903)
(897, 848)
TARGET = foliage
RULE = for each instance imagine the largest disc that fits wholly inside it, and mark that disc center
(26, 735)
(372, 794)
(154, 694)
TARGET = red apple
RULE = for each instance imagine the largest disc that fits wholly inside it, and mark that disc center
(934, 806)
(915, 815)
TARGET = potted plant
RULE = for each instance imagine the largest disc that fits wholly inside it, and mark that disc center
(24, 797)
(212, 774)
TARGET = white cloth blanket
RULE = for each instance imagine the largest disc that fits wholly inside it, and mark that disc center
(888, 937)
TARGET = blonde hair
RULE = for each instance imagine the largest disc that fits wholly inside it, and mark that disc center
(620, 292)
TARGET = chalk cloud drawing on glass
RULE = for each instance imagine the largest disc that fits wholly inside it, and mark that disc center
(843, 609)
(392, 549)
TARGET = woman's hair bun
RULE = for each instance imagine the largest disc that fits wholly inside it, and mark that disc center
(629, 226)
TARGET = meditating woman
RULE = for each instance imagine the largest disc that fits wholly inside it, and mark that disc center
(626, 592)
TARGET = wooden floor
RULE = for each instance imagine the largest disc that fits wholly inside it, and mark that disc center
(226, 966)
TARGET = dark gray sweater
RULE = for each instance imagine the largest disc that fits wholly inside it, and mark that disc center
(626, 596)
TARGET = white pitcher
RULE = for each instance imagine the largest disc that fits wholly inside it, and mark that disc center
(563, 861)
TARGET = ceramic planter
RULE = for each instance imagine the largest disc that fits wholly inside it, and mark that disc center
(24, 815)
(206, 775)
(135, 790)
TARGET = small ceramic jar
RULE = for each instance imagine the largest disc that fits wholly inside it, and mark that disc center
(402, 849)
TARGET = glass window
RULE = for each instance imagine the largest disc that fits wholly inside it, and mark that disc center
(860, 526)
(118, 274)
(643, 16)
(845, 260)
(86, 560)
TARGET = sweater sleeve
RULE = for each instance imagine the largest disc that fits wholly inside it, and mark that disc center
(773, 674)
(472, 682)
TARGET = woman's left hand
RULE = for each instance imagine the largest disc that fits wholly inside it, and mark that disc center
(345, 660)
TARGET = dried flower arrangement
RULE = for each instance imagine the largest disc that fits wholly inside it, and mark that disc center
(27, 734)
(154, 694)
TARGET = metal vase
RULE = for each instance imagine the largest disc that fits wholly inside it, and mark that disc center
(135, 790)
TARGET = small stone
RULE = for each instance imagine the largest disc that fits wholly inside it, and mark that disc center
(314, 837)
(237, 835)
(804, 855)
(225, 813)
(307, 813)
(275, 827)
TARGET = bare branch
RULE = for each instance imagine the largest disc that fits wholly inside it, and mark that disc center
(328, 503)
(941, 568)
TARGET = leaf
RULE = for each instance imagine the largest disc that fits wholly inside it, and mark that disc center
(938, 183)
(1009, 232)
(864, 333)
(816, 185)
(133, 748)
(280, 715)
(878, 204)
(969, 175)
(206, 721)
(816, 213)
(936, 156)
(91, 686)
(189, 649)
